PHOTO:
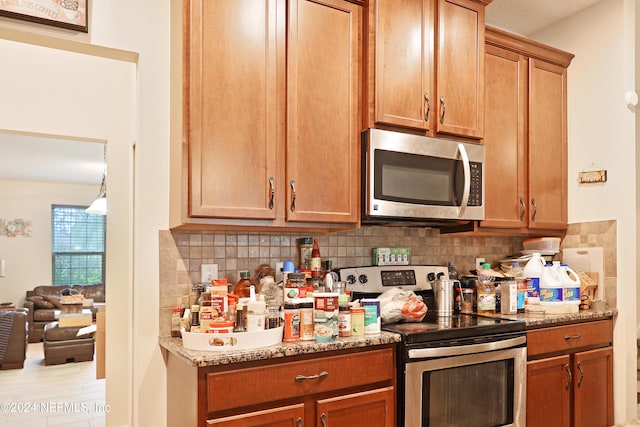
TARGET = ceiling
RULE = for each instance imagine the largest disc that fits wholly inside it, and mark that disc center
(34, 158)
(526, 17)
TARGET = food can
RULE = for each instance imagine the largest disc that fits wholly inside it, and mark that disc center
(372, 322)
(325, 316)
(291, 322)
(357, 321)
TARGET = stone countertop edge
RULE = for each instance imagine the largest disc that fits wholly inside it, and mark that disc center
(284, 349)
(535, 320)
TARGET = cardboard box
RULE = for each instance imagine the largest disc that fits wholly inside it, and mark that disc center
(391, 256)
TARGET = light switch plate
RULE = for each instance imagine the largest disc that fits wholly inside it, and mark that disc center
(208, 272)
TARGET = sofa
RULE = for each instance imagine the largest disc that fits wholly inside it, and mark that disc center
(13, 338)
(44, 300)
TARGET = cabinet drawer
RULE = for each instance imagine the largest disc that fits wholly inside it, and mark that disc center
(568, 338)
(245, 387)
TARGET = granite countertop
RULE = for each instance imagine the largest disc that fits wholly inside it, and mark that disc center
(541, 318)
(283, 349)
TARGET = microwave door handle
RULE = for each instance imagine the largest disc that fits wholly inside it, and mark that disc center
(467, 178)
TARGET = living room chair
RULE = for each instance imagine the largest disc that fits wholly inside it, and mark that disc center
(13, 338)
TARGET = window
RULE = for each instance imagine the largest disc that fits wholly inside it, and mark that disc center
(77, 246)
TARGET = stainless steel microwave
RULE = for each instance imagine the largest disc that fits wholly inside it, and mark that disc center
(411, 178)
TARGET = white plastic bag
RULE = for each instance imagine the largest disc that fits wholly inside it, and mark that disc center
(397, 305)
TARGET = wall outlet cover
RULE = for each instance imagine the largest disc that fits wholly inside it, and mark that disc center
(208, 272)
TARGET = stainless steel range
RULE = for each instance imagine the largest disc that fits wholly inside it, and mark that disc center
(458, 370)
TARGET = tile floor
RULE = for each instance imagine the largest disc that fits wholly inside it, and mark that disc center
(45, 396)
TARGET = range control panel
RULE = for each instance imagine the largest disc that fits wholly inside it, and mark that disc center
(379, 278)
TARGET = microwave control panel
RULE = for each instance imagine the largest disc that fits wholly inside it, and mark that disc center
(475, 192)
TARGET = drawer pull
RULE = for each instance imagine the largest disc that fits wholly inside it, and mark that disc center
(581, 373)
(572, 337)
(311, 377)
(568, 384)
(299, 422)
(323, 419)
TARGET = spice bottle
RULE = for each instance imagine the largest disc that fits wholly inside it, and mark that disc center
(305, 246)
(316, 261)
(242, 288)
(291, 321)
(239, 326)
(195, 318)
(175, 322)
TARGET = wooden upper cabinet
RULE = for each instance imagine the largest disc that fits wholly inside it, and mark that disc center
(323, 111)
(233, 108)
(505, 141)
(547, 145)
(460, 68)
(425, 69)
(404, 70)
(272, 114)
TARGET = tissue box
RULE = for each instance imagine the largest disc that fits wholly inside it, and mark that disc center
(391, 256)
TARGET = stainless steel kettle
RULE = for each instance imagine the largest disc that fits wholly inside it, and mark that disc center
(444, 293)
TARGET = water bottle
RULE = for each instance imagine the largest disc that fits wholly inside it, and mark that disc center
(533, 271)
(570, 284)
(550, 287)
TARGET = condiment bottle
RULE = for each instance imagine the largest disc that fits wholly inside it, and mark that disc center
(242, 288)
(486, 291)
(316, 261)
(344, 316)
(195, 317)
(239, 326)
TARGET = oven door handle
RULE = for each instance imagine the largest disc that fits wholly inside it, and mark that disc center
(421, 353)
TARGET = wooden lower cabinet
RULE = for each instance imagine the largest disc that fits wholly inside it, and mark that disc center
(354, 388)
(570, 375)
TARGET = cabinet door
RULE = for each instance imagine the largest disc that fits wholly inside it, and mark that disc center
(404, 73)
(547, 145)
(505, 139)
(233, 108)
(323, 111)
(460, 68)
(367, 409)
(593, 388)
(287, 416)
(549, 392)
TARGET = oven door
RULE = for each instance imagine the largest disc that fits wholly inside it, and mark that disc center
(482, 389)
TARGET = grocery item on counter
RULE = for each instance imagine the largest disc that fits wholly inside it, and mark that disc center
(325, 316)
(305, 246)
(242, 287)
(533, 271)
(291, 321)
(306, 319)
(316, 260)
(521, 283)
(509, 297)
(570, 285)
(372, 318)
(550, 287)
(486, 291)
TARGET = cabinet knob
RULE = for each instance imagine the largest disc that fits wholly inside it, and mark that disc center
(443, 109)
(272, 191)
(293, 195)
(428, 109)
(299, 422)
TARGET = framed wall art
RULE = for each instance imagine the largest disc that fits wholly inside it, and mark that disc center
(70, 14)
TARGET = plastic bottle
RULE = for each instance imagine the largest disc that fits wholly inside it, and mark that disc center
(550, 287)
(486, 291)
(521, 284)
(453, 273)
(316, 261)
(242, 288)
(533, 271)
(570, 284)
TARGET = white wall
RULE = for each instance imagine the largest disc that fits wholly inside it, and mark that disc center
(28, 259)
(136, 381)
(602, 136)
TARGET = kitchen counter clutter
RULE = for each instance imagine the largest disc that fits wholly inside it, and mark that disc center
(281, 350)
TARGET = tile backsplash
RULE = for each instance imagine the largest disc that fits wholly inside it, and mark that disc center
(183, 252)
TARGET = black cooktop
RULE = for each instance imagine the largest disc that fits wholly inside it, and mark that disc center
(459, 326)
